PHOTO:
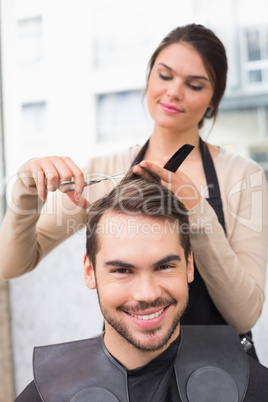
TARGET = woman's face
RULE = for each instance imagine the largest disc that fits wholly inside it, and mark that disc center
(179, 88)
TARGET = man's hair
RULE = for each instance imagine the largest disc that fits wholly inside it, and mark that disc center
(136, 196)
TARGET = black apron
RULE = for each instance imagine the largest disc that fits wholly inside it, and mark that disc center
(201, 309)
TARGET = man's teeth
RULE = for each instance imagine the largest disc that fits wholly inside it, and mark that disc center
(149, 316)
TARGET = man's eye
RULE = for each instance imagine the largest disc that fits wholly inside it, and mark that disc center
(164, 267)
(165, 77)
(121, 271)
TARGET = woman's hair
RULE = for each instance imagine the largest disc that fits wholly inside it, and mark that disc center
(212, 52)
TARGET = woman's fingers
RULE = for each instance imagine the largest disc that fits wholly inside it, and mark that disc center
(51, 174)
(40, 181)
(144, 166)
(182, 186)
(41, 170)
(146, 173)
(80, 201)
(76, 175)
(50, 171)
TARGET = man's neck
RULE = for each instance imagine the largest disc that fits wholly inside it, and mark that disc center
(127, 354)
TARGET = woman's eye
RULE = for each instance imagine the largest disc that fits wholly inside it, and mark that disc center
(164, 77)
(195, 87)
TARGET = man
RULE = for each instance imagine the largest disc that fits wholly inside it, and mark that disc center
(139, 260)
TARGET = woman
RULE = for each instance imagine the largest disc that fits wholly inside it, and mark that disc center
(186, 81)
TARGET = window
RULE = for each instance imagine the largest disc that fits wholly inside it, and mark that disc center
(30, 40)
(121, 115)
(256, 56)
(260, 155)
(33, 119)
(253, 45)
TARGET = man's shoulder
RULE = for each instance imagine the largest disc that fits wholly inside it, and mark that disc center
(30, 394)
(258, 382)
(78, 367)
(211, 355)
(71, 345)
(65, 354)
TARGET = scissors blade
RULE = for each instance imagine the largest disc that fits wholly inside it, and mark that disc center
(176, 160)
(93, 181)
(69, 185)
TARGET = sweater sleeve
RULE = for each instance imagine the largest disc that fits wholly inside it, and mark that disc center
(31, 228)
(233, 264)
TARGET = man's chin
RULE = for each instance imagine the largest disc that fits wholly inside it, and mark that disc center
(149, 341)
(149, 347)
(144, 339)
(157, 341)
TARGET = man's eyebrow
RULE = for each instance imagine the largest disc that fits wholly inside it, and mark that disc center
(168, 258)
(193, 77)
(122, 264)
(119, 264)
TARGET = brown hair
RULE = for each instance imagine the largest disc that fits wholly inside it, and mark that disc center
(138, 196)
(212, 52)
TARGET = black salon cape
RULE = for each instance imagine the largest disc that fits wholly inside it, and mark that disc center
(155, 381)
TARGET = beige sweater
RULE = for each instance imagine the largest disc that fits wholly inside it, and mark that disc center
(233, 265)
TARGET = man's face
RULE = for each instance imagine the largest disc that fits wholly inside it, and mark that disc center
(141, 277)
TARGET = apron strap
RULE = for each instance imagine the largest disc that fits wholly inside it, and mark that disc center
(212, 182)
(141, 154)
(210, 173)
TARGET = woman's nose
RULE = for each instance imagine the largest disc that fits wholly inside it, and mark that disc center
(175, 90)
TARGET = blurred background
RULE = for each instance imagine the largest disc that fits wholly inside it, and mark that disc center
(71, 83)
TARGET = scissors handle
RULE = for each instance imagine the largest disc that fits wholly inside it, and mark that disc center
(176, 160)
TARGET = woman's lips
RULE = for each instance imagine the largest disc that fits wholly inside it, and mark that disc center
(170, 109)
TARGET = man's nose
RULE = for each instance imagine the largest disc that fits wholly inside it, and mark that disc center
(146, 288)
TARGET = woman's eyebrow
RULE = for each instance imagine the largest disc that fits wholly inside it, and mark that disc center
(192, 77)
(198, 77)
(167, 67)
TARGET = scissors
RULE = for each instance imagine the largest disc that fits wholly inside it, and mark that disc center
(172, 165)
(69, 185)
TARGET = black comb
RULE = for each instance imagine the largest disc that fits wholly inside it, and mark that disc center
(176, 160)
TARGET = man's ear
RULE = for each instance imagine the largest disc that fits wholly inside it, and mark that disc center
(190, 268)
(89, 274)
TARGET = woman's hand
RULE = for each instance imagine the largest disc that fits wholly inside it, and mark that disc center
(181, 185)
(49, 172)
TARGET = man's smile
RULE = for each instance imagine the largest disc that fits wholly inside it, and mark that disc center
(147, 316)
(148, 319)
